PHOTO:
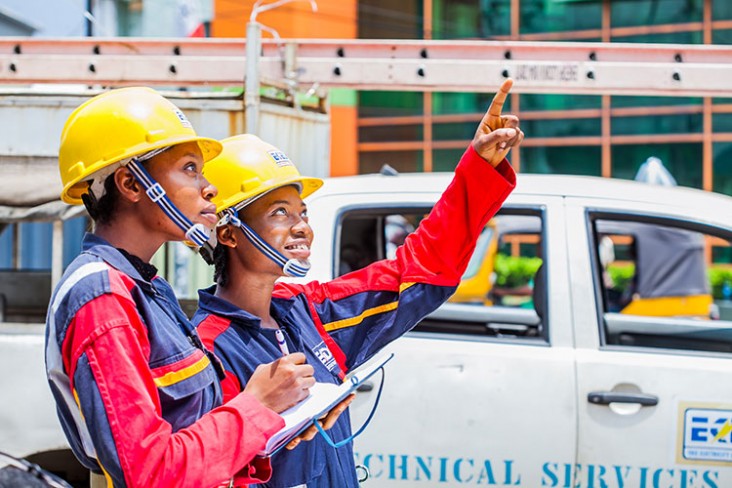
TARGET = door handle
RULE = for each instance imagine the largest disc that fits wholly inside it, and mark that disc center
(365, 386)
(607, 397)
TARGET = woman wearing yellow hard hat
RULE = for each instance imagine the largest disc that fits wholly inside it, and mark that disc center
(137, 394)
(264, 234)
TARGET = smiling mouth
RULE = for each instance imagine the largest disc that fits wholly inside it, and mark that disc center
(295, 247)
(301, 251)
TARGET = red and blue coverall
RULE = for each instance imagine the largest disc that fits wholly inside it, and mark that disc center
(341, 324)
(136, 397)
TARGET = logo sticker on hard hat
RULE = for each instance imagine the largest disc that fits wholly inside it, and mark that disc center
(183, 119)
(280, 158)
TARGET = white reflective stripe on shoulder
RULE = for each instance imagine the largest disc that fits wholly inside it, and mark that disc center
(54, 360)
(74, 278)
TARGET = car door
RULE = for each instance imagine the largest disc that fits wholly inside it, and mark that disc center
(655, 401)
(477, 394)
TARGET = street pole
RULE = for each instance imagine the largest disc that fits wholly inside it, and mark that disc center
(253, 52)
(89, 16)
(251, 87)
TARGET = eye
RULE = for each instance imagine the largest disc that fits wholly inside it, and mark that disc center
(304, 214)
(280, 211)
(190, 167)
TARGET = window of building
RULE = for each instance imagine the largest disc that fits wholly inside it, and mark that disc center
(540, 16)
(566, 127)
(385, 19)
(630, 13)
(565, 133)
(455, 131)
(722, 116)
(721, 10)
(722, 36)
(447, 159)
(559, 102)
(722, 168)
(572, 160)
(694, 36)
(404, 161)
(467, 19)
(462, 103)
(390, 132)
(682, 160)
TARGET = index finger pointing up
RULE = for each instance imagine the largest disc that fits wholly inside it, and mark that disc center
(494, 111)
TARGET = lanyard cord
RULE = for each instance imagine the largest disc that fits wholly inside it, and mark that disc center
(350, 438)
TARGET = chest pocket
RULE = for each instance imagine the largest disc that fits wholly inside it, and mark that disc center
(184, 376)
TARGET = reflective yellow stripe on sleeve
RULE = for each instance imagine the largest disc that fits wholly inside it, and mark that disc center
(174, 377)
(351, 321)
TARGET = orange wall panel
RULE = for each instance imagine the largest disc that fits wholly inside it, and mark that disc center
(334, 19)
(343, 140)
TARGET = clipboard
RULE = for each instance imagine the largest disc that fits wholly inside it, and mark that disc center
(323, 397)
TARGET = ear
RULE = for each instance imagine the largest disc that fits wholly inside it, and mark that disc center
(225, 235)
(127, 185)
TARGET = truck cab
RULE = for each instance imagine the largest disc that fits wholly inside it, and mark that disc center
(543, 382)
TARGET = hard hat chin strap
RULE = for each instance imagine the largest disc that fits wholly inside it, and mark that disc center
(291, 267)
(196, 233)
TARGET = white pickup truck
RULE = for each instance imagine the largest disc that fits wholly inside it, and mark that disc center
(584, 347)
(608, 367)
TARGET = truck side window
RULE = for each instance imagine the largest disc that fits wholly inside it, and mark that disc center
(498, 294)
(662, 284)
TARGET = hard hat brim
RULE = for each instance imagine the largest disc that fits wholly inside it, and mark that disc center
(72, 192)
(307, 186)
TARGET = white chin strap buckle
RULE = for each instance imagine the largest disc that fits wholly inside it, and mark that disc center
(296, 268)
(198, 234)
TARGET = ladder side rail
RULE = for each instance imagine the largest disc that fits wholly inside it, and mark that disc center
(662, 79)
(383, 49)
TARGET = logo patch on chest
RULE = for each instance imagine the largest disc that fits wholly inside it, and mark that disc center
(322, 352)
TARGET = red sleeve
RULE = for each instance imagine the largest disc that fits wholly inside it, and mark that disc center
(108, 351)
(352, 315)
(439, 250)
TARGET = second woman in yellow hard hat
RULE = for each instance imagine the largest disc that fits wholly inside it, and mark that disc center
(264, 235)
(136, 392)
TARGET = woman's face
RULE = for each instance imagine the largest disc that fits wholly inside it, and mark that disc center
(178, 170)
(280, 218)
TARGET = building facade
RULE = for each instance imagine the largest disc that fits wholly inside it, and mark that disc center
(589, 135)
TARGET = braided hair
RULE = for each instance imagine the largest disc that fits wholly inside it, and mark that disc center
(102, 210)
(221, 261)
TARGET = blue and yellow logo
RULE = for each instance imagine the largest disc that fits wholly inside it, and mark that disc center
(707, 435)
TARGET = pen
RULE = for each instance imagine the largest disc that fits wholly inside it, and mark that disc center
(281, 342)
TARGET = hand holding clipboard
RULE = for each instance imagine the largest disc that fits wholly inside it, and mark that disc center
(325, 398)
(331, 417)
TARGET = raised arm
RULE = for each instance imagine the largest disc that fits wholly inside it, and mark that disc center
(359, 313)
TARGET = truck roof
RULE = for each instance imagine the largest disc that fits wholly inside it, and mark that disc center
(586, 187)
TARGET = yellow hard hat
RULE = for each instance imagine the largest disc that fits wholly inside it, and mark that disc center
(248, 167)
(115, 126)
